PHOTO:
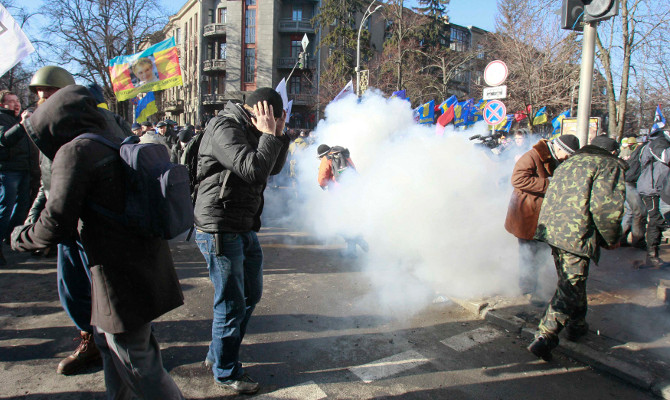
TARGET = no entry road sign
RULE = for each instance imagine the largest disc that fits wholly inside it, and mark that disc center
(494, 112)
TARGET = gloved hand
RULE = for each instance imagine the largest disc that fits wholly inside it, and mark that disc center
(16, 233)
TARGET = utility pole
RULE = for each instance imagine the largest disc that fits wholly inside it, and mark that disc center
(586, 82)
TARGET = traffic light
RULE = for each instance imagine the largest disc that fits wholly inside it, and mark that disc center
(572, 15)
(301, 60)
(575, 13)
(599, 10)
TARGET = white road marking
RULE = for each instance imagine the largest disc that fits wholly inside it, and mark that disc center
(389, 366)
(305, 391)
(470, 339)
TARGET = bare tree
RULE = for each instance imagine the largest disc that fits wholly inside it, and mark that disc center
(624, 40)
(89, 33)
(542, 59)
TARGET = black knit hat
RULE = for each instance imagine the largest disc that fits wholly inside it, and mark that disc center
(569, 143)
(322, 150)
(271, 96)
(185, 135)
(605, 142)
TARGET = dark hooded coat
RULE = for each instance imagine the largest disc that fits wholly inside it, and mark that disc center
(134, 280)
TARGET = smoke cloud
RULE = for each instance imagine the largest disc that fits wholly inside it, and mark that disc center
(431, 208)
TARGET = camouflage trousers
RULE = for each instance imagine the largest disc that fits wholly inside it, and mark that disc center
(568, 306)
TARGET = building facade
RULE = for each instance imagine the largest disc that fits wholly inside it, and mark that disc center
(230, 48)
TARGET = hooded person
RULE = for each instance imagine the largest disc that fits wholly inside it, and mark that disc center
(130, 288)
(581, 213)
(530, 179)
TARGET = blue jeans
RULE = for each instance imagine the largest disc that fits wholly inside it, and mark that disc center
(14, 200)
(74, 283)
(237, 276)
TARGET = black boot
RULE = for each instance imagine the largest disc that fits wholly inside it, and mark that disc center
(652, 260)
(3, 262)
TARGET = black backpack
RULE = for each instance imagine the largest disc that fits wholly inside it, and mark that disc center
(634, 166)
(190, 160)
(338, 157)
(157, 198)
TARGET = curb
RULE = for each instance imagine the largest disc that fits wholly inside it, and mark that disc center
(622, 370)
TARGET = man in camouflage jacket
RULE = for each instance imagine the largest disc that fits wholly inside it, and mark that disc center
(582, 212)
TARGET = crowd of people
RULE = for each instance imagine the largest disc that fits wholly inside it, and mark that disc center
(575, 200)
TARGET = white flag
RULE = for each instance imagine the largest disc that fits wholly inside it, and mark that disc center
(288, 111)
(281, 89)
(13, 42)
(348, 89)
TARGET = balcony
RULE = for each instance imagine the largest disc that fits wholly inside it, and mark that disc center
(214, 30)
(210, 99)
(173, 106)
(302, 99)
(288, 25)
(214, 65)
(289, 62)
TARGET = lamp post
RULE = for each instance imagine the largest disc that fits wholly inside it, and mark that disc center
(366, 15)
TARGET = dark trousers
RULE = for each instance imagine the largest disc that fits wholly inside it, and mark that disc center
(568, 306)
(655, 221)
(74, 283)
(14, 200)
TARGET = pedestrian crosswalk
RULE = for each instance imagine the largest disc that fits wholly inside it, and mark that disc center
(306, 391)
(467, 340)
(389, 366)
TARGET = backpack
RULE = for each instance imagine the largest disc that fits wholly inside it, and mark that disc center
(634, 166)
(338, 157)
(190, 159)
(158, 201)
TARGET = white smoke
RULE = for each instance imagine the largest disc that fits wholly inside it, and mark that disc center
(431, 208)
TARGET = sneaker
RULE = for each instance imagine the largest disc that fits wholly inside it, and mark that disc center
(541, 348)
(208, 363)
(243, 385)
(85, 354)
(574, 332)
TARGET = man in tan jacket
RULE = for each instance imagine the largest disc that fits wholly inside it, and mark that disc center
(530, 179)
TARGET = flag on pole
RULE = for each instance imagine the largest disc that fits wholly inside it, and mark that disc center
(425, 113)
(556, 122)
(145, 107)
(505, 124)
(281, 89)
(659, 119)
(155, 68)
(540, 116)
(401, 94)
(288, 111)
(348, 89)
(13, 42)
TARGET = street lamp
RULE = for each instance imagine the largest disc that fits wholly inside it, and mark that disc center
(366, 15)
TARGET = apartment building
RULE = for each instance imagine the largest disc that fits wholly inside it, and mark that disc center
(230, 48)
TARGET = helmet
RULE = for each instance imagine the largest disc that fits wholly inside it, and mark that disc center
(51, 76)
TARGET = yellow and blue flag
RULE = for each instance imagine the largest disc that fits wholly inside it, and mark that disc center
(540, 116)
(477, 112)
(145, 107)
(461, 112)
(556, 122)
(448, 103)
(425, 114)
(506, 123)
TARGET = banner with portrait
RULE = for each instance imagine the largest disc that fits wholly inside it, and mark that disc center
(155, 68)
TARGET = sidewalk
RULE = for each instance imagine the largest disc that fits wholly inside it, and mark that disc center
(629, 323)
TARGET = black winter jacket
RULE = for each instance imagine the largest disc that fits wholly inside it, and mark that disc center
(16, 152)
(234, 163)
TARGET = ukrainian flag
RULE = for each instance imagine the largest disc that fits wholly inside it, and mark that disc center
(506, 123)
(426, 113)
(540, 116)
(556, 122)
(145, 107)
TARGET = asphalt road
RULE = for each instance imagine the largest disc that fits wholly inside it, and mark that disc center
(316, 334)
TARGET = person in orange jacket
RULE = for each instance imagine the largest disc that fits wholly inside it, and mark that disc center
(329, 175)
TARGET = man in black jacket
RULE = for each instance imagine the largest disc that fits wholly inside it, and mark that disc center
(240, 149)
(15, 163)
(133, 277)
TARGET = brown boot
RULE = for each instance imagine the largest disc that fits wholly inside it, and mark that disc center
(84, 355)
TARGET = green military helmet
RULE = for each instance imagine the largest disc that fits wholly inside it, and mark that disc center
(51, 76)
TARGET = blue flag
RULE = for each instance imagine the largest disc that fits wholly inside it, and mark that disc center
(145, 107)
(659, 120)
(556, 122)
(461, 111)
(426, 113)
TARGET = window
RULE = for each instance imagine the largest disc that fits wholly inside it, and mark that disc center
(210, 51)
(210, 15)
(249, 65)
(459, 40)
(250, 27)
(222, 50)
(294, 85)
(250, 2)
(296, 48)
(177, 36)
(222, 84)
(223, 15)
(297, 13)
(195, 30)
